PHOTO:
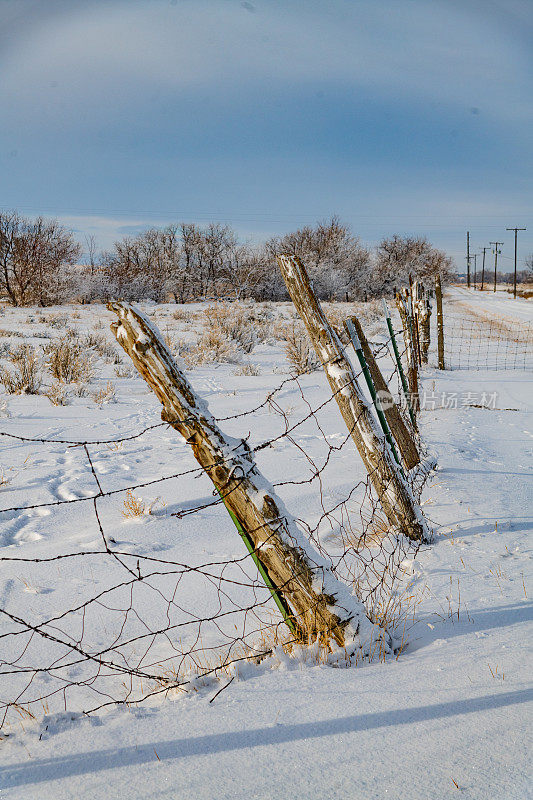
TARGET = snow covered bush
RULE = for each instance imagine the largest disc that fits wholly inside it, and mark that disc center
(107, 394)
(232, 321)
(58, 394)
(298, 350)
(26, 377)
(68, 360)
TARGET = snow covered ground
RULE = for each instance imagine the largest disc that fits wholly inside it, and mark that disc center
(448, 717)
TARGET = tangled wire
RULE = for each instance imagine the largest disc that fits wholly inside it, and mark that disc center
(131, 622)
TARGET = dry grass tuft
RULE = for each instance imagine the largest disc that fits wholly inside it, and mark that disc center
(56, 320)
(231, 321)
(26, 377)
(125, 372)
(107, 394)
(247, 369)
(181, 315)
(68, 360)
(135, 507)
(212, 347)
(298, 350)
(58, 394)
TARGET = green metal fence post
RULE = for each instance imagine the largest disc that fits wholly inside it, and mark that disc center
(276, 596)
(371, 388)
(398, 362)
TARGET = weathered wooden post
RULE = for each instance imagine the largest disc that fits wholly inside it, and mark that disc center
(401, 510)
(398, 360)
(398, 428)
(358, 347)
(424, 322)
(317, 604)
(411, 296)
(440, 324)
(410, 351)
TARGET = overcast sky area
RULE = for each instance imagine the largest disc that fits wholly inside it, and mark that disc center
(400, 116)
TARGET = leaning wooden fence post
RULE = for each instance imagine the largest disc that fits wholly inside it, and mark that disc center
(358, 347)
(313, 600)
(410, 350)
(440, 324)
(401, 373)
(397, 426)
(424, 321)
(413, 315)
(401, 510)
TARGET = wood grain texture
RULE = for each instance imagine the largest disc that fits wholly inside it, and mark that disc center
(394, 494)
(398, 428)
(322, 606)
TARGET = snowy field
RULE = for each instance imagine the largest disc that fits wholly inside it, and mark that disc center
(447, 717)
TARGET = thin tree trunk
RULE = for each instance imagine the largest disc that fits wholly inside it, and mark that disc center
(391, 488)
(321, 606)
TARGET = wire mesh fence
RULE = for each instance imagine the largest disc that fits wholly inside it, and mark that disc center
(127, 618)
(477, 341)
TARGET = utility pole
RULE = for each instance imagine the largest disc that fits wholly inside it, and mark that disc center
(515, 237)
(496, 252)
(468, 259)
(475, 268)
(484, 249)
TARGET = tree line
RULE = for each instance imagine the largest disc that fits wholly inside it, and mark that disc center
(39, 263)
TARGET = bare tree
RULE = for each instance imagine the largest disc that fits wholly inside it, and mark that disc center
(35, 256)
(338, 263)
(398, 257)
(10, 224)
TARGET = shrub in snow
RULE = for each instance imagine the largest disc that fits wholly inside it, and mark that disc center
(26, 376)
(298, 350)
(68, 361)
(107, 394)
(247, 369)
(58, 394)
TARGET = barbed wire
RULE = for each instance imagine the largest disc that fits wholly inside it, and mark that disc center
(170, 626)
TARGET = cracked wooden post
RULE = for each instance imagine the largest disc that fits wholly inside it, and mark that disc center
(440, 324)
(413, 314)
(424, 321)
(401, 510)
(320, 605)
(398, 428)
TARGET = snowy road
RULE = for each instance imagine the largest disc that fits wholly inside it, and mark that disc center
(500, 304)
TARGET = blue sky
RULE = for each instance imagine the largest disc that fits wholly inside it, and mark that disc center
(400, 116)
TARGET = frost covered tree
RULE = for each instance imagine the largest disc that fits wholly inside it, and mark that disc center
(398, 257)
(337, 263)
(35, 257)
(187, 262)
(144, 266)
